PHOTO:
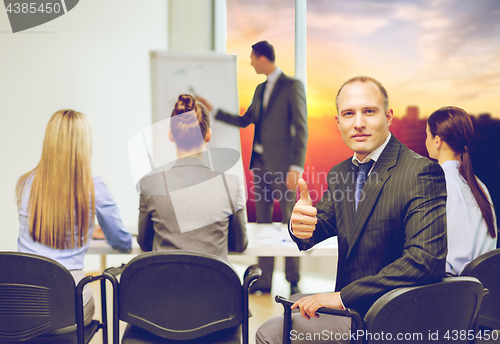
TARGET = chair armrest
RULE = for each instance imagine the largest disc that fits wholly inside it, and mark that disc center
(115, 271)
(287, 323)
(486, 293)
(340, 312)
(252, 273)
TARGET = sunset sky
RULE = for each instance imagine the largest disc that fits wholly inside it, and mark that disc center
(427, 53)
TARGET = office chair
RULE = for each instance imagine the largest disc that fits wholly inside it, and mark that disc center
(486, 268)
(416, 314)
(40, 304)
(181, 297)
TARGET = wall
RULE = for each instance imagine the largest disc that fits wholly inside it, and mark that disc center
(94, 59)
(190, 25)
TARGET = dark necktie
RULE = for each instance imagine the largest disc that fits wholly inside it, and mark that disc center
(259, 119)
(361, 179)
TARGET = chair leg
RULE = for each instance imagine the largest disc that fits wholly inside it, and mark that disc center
(287, 325)
(79, 308)
(244, 323)
(116, 321)
(104, 312)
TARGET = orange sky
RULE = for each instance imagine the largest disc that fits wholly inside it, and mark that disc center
(426, 53)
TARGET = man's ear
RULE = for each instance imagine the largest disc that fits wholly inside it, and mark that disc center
(337, 119)
(389, 115)
(170, 136)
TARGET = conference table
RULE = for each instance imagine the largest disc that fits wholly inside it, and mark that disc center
(263, 240)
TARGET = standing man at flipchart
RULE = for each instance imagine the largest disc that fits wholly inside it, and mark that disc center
(279, 112)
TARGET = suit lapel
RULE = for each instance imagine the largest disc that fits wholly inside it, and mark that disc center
(260, 110)
(372, 188)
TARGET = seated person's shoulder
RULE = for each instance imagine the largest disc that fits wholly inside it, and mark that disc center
(412, 166)
(152, 184)
(99, 185)
(98, 180)
(409, 156)
(232, 180)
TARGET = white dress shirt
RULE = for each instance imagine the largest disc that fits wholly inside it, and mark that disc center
(468, 235)
(372, 156)
(271, 81)
(268, 90)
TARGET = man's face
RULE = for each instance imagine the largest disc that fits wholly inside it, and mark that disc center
(256, 62)
(361, 118)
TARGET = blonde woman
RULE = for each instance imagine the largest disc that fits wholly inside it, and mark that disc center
(58, 199)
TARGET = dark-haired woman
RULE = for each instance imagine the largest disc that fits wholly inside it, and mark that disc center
(190, 206)
(471, 218)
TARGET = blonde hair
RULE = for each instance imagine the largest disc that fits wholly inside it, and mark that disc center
(61, 199)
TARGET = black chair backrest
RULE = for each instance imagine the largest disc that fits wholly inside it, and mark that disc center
(486, 268)
(37, 295)
(180, 295)
(418, 312)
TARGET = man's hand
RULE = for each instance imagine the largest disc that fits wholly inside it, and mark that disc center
(205, 103)
(310, 304)
(304, 214)
(292, 178)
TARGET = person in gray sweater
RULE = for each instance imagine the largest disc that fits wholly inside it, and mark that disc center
(190, 206)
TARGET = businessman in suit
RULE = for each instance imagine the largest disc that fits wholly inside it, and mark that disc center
(279, 113)
(386, 205)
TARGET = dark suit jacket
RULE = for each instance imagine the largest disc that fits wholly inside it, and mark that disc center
(283, 124)
(190, 207)
(396, 237)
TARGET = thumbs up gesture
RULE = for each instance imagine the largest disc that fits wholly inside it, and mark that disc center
(304, 214)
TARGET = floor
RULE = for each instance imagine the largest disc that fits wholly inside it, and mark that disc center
(263, 307)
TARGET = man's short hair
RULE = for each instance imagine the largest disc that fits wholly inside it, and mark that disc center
(264, 48)
(365, 79)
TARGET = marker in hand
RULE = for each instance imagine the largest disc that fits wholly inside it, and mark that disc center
(193, 92)
(304, 214)
(202, 100)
